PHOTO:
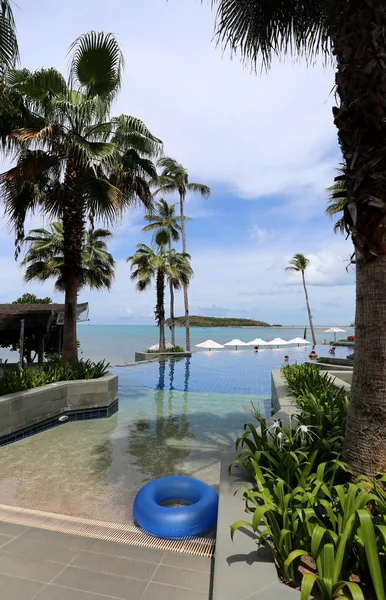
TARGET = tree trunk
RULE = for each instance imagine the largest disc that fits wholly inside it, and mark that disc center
(172, 319)
(70, 347)
(160, 308)
(365, 444)
(358, 32)
(172, 326)
(73, 231)
(186, 298)
(309, 310)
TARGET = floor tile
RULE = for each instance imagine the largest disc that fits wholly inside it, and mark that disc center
(53, 592)
(187, 561)
(126, 550)
(13, 588)
(55, 537)
(40, 550)
(101, 583)
(156, 591)
(194, 580)
(21, 566)
(12, 529)
(116, 565)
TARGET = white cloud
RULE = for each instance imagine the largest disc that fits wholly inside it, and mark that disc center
(259, 234)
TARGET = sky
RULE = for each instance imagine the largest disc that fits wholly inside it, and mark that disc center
(265, 143)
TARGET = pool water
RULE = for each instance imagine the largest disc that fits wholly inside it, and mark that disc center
(177, 417)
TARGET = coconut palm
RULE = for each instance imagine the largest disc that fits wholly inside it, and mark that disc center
(299, 263)
(337, 198)
(74, 160)
(351, 34)
(160, 264)
(175, 178)
(44, 258)
(164, 219)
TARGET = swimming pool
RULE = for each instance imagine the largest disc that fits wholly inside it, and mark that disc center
(178, 417)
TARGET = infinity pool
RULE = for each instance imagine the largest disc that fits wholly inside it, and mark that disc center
(178, 417)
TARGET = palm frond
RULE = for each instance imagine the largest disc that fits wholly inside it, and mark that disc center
(9, 51)
(264, 29)
(96, 64)
(199, 188)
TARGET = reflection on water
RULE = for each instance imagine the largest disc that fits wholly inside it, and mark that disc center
(164, 426)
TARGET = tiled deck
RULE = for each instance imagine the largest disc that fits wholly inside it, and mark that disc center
(36, 564)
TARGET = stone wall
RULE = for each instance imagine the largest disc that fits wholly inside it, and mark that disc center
(25, 409)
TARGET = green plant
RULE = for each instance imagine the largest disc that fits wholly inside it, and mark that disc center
(175, 349)
(24, 378)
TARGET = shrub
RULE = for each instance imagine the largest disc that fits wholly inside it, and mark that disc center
(24, 378)
(168, 350)
(302, 504)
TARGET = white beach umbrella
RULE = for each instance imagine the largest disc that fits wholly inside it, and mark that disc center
(277, 342)
(209, 344)
(335, 330)
(257, 342)
(299, 341)
(236, 343)
(168, 345)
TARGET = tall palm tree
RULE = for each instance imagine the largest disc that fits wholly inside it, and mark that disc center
(44, 258)
(74, 160)
(352, 35)
(337, 199)
(299, 263)
(175, 178)
(164, 219)
(147, 264)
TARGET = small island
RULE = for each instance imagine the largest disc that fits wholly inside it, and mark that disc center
(196, 321)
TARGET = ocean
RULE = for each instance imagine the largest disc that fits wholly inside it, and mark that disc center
(118, 343)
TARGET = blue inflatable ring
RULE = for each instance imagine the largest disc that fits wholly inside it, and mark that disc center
(176, 522)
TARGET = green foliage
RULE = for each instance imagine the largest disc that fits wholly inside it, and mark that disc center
(24, 378)
(171, 350)
(196, 321)
(32, 299)
(303, 504)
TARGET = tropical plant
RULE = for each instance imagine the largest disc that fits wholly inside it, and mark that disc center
(352, 35)
(147, 264)
(9, 51)
(337, 198)
(164, 219)
(32, 299)
(73, 160)
(25, 378)
(175, 178)
(299, 263)
(45, 258)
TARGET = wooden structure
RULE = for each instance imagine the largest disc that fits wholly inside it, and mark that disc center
(43, 327)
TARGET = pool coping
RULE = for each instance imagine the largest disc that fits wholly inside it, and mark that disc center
(241, 570)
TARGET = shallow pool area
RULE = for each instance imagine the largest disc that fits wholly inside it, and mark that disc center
(175, 417)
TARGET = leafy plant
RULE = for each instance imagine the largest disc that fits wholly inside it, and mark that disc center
(24, 378)
(168, 350)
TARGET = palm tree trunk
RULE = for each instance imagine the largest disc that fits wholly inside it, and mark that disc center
(358, 30)
(309, 310)
(365, 443)
(160, 308)
(172, 319)
(73, 230)
(186, 298)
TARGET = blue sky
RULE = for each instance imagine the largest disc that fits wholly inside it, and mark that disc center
(265, 143)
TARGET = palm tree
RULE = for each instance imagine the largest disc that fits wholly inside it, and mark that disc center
(73, 160)
(351, 34)
(337, 199)
(164, 219)
(9, 51)
(147, 264)
(44, 258)
(299, 263)
(174, 178)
